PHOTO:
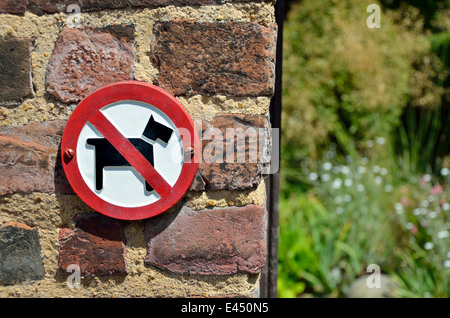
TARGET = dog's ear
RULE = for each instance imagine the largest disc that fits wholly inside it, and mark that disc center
(155, 130)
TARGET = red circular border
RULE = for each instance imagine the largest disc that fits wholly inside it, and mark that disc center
(138, 91)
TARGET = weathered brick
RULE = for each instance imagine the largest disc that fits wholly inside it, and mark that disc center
(220, 241)
(13, 6)
(84, 60)
(29, 159)
(244, 170)
(15, 70)
(208, 58)
(52, 6)
(20, 254)
(96, 243)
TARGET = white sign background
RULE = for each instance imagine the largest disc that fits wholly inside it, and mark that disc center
(124, 186)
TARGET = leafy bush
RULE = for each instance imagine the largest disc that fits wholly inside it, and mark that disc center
(356, 213)
(329, 234)
(343, 80)
(424, 216)
(365, 115)
(340, 74)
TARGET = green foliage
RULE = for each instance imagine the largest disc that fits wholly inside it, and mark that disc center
(422, 140)
(357, 213)
(423, 213)
(365, 148)
(440, 44)
(339, 74)
(330, 233)
(429, 9)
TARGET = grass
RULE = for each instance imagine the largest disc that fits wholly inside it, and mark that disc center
(357, 213)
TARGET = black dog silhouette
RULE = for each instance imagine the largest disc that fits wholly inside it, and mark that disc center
(108, 156)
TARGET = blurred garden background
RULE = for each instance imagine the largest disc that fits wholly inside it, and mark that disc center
(365, 147)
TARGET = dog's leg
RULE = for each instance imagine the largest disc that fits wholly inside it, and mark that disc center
(148, 187)
(98, 175)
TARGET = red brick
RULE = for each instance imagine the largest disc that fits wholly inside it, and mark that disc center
(220, 241)
(244, 173)
(29, 159)
(84, 60)
(15, 70)
(96, 243)
(208, 58)
(52, 6)
(13, 6)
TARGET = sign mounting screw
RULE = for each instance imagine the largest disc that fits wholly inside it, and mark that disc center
(69, 153)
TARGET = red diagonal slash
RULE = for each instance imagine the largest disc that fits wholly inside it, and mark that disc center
(130, 153)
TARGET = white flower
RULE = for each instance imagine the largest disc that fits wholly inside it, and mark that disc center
(348, 198)
(426, 178)
(447, 263)
(409, 225)
(370, 143)
(348, 182)
(428, 245)
(337, 183)
(383, 171)
(339, 210)
(442, 234)
(345, 170)
(327, 166)
(337, 200)
(432, 214)
(445, 172)
(425, 203)
(376, 169)
(360, 187)
(378, 180)
(446, 206)
(388, 188)
(313, 176)
(381, 140)
(325, 177)
(364, 160)
(361, 169)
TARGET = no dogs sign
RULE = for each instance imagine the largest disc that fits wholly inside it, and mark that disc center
(129, 150)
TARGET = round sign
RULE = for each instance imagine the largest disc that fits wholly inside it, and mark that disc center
(130, 150)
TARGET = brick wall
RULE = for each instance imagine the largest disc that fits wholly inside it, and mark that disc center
(218, 58)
